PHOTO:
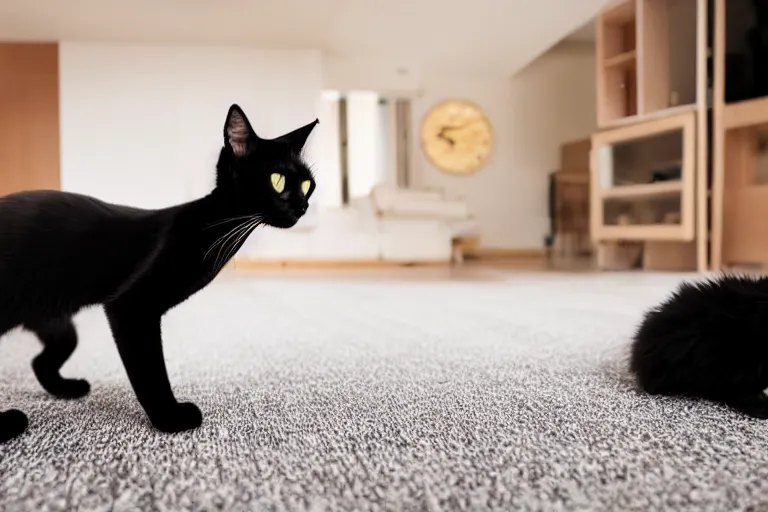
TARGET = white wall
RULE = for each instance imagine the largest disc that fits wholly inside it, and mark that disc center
(547, 103)
(142, 125)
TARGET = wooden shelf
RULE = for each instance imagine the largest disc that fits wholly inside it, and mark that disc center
(658, 114)
(643, 233)
(745, 113)
(662, 188)
(622, 59)
(616, 45)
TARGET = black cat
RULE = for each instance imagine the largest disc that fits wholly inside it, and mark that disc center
(61, 252)
(708, 340)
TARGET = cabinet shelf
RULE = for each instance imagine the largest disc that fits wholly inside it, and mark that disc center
(621, 60)
(658, 114)
(662, 188)
(745, 113)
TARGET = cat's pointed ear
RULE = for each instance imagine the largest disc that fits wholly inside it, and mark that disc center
(238, 133)
(297, 138)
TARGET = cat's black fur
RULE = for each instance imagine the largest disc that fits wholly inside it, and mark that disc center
(708, 340)
(61, 252)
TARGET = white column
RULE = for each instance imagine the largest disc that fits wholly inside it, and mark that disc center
(389, 122)
(326, 149)
(366, 141)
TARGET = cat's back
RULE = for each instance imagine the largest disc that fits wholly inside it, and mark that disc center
(64, 218)
(60, 244)
(705, 332)
(62, 209)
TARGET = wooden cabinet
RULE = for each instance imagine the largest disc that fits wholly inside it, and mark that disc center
(649, 159)
(740, 157)
(643, 179)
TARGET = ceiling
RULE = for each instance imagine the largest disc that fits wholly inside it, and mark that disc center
(484, 36)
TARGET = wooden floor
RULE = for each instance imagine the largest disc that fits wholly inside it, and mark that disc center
(483, 270)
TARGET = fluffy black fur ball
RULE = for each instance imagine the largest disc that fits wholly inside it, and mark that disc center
(708, 340)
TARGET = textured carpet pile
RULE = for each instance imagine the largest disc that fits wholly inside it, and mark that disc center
(384, 395)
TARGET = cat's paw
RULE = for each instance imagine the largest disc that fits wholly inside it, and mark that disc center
(56, 385)
(12, 423)
(177, 418)
(66, 388)
(70, 388)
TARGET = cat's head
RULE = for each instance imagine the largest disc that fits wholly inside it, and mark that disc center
(267, 178)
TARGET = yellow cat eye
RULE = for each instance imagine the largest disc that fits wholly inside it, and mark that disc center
(305, 186)
(278, 182)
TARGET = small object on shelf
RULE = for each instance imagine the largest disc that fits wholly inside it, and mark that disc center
(667, 175)
(672, 173)
(647, 214)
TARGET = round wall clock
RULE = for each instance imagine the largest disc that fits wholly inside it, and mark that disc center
(457, 136)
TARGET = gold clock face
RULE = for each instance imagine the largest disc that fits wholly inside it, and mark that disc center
(457, 137)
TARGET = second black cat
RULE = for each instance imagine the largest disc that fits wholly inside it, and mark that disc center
(61, 252)
(708, 340)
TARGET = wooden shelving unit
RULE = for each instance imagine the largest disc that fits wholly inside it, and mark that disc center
(617, 63)
(740, 156)
(650, 158)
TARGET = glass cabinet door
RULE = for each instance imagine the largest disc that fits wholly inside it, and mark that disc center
(643, 181)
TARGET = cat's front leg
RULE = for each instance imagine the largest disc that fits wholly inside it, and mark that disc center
(139, 342)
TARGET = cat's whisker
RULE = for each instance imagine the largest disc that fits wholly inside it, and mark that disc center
(243, 234)
(223, 237)
(231, 235)
(224, 221)
(224, 245)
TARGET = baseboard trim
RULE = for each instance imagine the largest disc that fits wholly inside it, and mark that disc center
(497, 253)
(250, 264)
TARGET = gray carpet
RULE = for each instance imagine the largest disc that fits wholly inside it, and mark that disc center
(384, 395)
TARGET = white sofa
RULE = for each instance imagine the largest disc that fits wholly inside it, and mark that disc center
(390, 224)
